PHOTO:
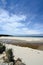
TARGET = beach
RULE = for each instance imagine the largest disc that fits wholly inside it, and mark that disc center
(31, 42)
(32, 54)
(24, 38)
(27, 55)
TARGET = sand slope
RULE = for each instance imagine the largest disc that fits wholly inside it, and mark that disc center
(29, 56)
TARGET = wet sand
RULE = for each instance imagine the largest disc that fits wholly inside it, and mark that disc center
(31, 42)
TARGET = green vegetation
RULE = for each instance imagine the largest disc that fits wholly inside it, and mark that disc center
(2, 48)
(9, 55)
(8, 58)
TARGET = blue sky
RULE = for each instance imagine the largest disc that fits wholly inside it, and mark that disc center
(21, 17)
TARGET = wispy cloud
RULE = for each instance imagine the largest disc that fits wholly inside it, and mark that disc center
(13, 24)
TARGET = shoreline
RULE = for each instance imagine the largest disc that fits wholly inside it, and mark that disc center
(35, 43)
(24, 38)
(29, 55)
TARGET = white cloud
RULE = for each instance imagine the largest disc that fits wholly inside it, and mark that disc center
(11, 24)
(5, 17)
(30, 31)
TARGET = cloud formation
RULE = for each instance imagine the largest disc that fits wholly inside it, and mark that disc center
(12, 24)
(21, 17)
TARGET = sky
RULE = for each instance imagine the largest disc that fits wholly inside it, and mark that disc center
(21, 17)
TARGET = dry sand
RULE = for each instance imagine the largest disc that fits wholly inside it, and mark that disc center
(24, 38)
(29, 56)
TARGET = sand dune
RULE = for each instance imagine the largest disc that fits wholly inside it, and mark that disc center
(29, 56)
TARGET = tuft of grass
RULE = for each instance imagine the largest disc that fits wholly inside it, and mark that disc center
(2, 48)
(9, 55)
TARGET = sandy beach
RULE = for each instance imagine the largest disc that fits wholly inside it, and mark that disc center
(29, 56)
(31, 42)
(24, 38)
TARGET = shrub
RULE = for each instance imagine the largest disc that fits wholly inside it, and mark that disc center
(9, 55)
(2, 48)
